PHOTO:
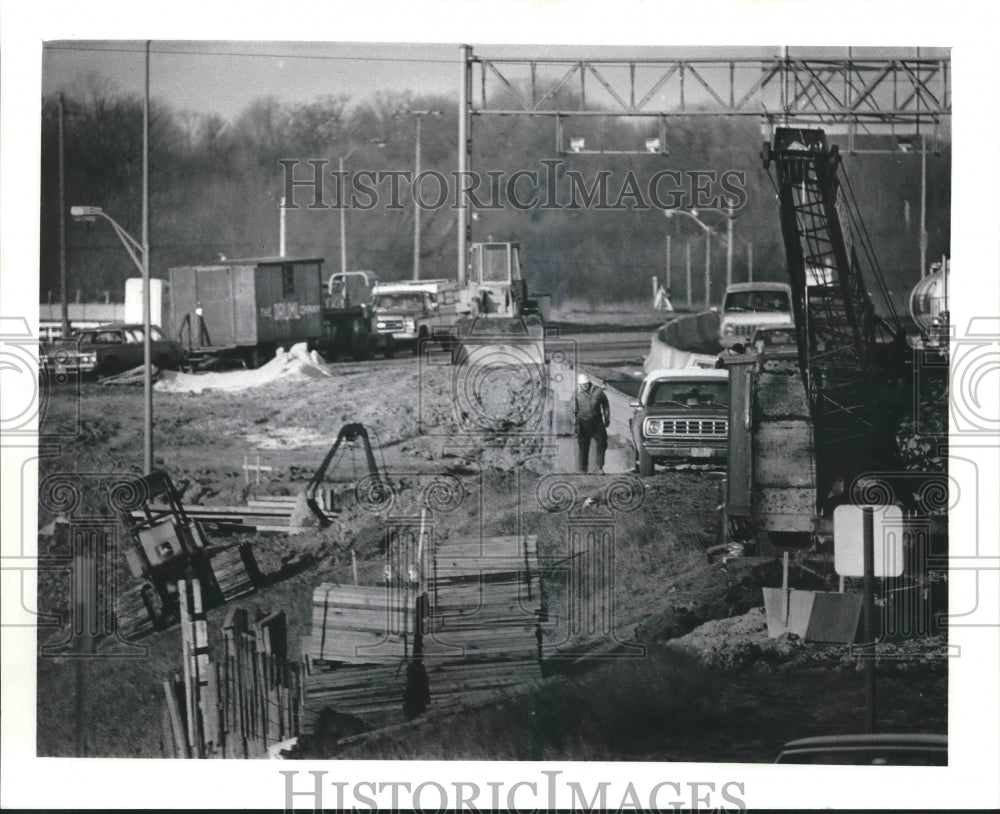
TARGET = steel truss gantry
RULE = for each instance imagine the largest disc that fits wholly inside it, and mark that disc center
(851, 96)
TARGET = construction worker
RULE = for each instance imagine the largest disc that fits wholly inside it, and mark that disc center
(593, 415)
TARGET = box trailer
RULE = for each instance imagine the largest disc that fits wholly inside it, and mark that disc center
(248, 308)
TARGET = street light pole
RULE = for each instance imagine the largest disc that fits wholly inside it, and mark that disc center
(139, 252)
(693, 215)
(147, 351)
(729, 246)
(343, 212)
(416, 206)
(708, 268)
(342, 200)
(418, 114)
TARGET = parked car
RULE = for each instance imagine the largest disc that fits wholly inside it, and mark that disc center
(110, 349)
(681, 415)
(868, 750)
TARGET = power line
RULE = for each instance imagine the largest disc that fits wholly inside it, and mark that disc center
(269, 55)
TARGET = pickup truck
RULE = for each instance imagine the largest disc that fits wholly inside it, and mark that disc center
(107, 350)
(749, 306)
(409, 311)
(681, 415)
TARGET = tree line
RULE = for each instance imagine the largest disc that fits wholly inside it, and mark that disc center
(215, 188)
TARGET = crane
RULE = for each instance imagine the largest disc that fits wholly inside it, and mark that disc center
(852, 359)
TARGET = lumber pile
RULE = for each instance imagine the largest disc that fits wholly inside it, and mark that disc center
(271, 515)
(239, 704)
(354, 624)
(381, 655)
(371, 693)
(357, 653)
(484, 622)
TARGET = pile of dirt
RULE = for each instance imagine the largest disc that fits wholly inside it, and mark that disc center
(298, 363)
(742, 641)
(735, 642)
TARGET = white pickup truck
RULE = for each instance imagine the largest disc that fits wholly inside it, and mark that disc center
(412, 310)
(748, 306)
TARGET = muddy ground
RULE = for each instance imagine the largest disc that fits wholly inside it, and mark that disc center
(744, 694)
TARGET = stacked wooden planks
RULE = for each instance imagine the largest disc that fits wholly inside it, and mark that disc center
(485, 615)
(382, 654)
(261, 515)
(354, 624)
(238, 705)
(362, 637)
(370, 693)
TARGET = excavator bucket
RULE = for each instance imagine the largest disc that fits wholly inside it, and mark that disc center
(321, 500)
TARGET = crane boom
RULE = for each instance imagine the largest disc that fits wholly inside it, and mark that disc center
(848, 354)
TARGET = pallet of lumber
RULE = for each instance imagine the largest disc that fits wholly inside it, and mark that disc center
(361, 624)
(269, 518)
(458, 686)
(484, 559)
(373, 694)
(489, 604)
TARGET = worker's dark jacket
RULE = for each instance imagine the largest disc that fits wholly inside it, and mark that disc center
(592, 408)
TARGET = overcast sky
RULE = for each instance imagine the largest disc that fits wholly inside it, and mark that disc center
(224, 76)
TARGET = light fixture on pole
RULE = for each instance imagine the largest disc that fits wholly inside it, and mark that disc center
(693, 215)
(342, 200)
(139, 253)
(419, 114)
(906, 144)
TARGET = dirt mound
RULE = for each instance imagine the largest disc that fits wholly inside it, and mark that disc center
(295, 364)
(735, 642)
(742, 641)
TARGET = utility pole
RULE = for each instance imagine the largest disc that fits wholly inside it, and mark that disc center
(147, 361)
(281, 227)
(419, 114)
(923, 204)
(416, 206)
(729, 245)
(64, 294)
(708, 268)
(668, 264)
(343, 215)
(464, 150)
(687, 287)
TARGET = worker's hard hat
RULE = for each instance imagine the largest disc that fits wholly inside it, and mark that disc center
(581, 378)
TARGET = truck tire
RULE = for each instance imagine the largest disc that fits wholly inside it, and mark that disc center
(362, 342)
(389, 348)
(645, 463)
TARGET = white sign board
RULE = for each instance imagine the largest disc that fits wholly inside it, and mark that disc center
(887, 539)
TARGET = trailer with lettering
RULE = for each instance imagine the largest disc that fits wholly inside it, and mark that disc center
(246, 309)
